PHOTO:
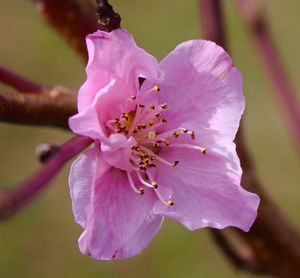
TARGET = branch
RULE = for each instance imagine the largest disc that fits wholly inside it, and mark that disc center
(15, 199)
(273, 67)
(51, 108)
(273, 241)
(20, 83)
(74, 19)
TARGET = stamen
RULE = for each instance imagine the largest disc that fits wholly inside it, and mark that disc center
(170, 203)
(151, 106)
(192, 133)
(136, 190)
(164, 106)
(176, 133)
(152, 135)
(156, 88)
(164, 121)
(144, 182)
(189, 146)
(132, 98)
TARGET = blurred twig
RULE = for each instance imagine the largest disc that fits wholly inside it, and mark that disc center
(50, 108)
(253, 15)
(273, 241)
(16, 198)
(20, 83)
(74, 19)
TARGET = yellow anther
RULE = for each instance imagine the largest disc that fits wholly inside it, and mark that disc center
(156, 88)
(192, 133)
(154, 184)
(164, 106)
(164, 121)
(132, 98)
(151, 106)
(175, 163)
(151, 135)
(141, 190)
(184, 130)
(203, 150)
(176, 133)
(170, 202)
(141, 105)
(151, 123)
(125, 116)
(152, 157)
(167, 143)
(157, 115)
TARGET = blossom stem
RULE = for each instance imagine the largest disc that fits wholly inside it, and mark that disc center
(274, 70)
(13, 200)
(20, 83)
(273, 242)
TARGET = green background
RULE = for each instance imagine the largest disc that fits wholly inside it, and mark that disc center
(41, 241)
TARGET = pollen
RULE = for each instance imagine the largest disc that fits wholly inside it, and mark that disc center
(164, 106)
(170, 202)
(203, 150)
(154, 184)
(184, 130)
(125, 116)
(151, 123)
(151, 135)
(167, 143)
(132, 98)
(176, 133)
(156, 88)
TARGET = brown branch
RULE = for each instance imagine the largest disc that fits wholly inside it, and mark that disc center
(51, 108)
(74, 19)
(15, 199)
(18, 82)
(273, 67)
(273, 241)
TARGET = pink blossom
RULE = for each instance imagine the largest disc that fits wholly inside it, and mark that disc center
(163, 144)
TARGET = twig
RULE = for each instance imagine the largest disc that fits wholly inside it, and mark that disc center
(51, 108)
(74, 19)
(273, 241)
(20, 83)
(15, 199)
(274, 69)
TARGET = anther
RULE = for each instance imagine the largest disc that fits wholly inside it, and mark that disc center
(154, 184)
(164, 121)
(176, 133)
(151, 135)
(132, 98)
(203, 150)
(151, 123)
(192, 133)
(156, 88)
(184, 130)
(175, 163)
(125, 116)
(151, 106)
(141, 190)
(157, 115)
(164, 106)
(170, 202)
(167, 143)
(141, 105)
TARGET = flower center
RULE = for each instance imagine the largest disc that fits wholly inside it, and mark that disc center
(143, 124)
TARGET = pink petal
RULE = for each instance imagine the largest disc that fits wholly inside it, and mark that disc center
(81, 179)
(118, 222)
(201, 85)
(113, 55)
(206, 188)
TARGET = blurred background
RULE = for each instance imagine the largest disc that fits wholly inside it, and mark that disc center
(41, 241)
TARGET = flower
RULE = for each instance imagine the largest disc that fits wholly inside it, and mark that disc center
(163, 144)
